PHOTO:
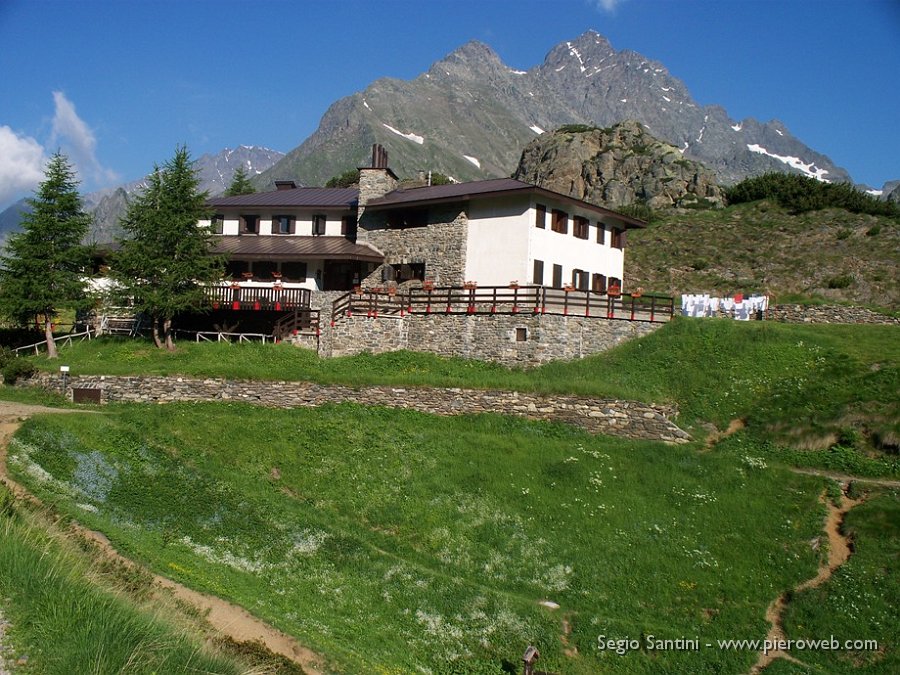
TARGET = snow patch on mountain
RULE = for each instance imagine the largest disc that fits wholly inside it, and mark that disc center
(574, 52)
(415, 138)
(474, 160)
(809, 169)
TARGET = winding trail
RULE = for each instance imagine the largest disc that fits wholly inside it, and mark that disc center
(226, 618)
(839, 551)
(839, 546)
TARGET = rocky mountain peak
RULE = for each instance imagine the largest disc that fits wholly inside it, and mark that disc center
(617, 167)
(470, 115)
(583, 53)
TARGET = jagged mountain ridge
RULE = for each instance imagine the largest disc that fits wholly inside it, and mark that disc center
(214, 171)
(470, 115)
(617, 167)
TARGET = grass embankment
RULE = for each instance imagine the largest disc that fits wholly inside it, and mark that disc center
(394, 540)
(815, 395)
(66, 618)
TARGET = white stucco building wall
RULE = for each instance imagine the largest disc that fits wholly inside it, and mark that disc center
(504, 241)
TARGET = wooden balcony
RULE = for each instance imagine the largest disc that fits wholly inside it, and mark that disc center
(258, 296)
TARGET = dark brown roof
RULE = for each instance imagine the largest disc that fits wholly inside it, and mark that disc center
(347, 198)
(289, 247)
(344, 198)
(480, 189)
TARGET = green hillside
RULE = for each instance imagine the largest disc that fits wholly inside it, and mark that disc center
(762, 247)
(394, 541)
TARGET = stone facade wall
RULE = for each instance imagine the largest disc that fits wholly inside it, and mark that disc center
(441, 245)
(524, 339)
(356, 334)
(621, 418)
(828, 314)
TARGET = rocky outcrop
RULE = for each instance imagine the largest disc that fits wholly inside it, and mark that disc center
(617, 167)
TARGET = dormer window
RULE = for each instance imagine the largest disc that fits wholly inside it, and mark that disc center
(318, 224)
(282, 225)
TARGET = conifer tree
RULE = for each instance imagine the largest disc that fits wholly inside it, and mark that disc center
(240, 183)
(165, 261)
(44, 266)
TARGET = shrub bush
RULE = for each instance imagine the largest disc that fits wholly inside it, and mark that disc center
(17, 369)
(800, 194)
(840, 281)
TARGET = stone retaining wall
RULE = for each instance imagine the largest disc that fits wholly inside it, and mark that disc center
(829, 314)
(621, 418)
(524, 339)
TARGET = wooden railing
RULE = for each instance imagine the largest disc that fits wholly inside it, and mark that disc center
(506, 300)
(61, 341)
(300, 321)
(258, 297)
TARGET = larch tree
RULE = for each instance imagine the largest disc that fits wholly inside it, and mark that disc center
(43, 267)
(240, 183)
(166, 261)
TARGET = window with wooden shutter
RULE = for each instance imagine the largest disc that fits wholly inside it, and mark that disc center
(599, 283)
(557, 276)
(282, 224)
(538, 276)
(581, 227)
(560, 221)
(540, 216)
(601, 233)
(348, 227)
(318, 224)
(249, 224)
(618, 238)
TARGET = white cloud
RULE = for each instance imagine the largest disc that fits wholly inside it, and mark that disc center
(78, 142)
(609, 6)
(21, 164)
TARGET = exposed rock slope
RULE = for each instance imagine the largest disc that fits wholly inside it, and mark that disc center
(616, 167)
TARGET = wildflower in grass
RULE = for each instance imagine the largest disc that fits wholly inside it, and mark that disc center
(94, 475)
(754, 462)
(223, 557)
(556, 578)
(307, 542)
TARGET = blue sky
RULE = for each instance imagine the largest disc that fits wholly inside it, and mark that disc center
(117, 85)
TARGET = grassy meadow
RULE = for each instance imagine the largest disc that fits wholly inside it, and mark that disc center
(68, 614)
(398, 542)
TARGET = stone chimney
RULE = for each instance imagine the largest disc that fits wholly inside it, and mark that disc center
(376, 180)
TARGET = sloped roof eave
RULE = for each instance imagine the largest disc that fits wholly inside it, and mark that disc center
(408, 198)
(289, 247)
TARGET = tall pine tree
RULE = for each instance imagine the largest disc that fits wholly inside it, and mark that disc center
(240, 183)
(44, 266)
(165, 261)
